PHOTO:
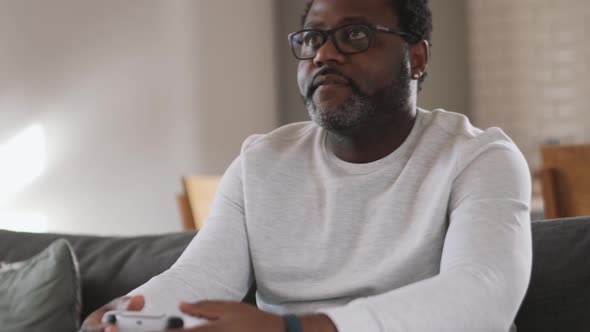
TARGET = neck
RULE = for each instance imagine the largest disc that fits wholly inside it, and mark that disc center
(373, 142)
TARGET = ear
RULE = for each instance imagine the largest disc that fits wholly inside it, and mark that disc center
(419, 57)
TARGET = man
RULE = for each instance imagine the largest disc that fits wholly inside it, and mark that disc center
(376, 216)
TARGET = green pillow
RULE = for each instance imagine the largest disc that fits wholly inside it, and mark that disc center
(41, 293)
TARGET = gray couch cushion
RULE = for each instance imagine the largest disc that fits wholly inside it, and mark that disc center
(558, 298)
(109, 266)
(42, 293)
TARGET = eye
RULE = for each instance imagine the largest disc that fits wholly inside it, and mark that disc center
(312, 39)
(357, 33)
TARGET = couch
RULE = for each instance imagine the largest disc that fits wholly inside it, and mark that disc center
(558, 298)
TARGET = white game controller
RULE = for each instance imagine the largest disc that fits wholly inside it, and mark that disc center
(134, 321)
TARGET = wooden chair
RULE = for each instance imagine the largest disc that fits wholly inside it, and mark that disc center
(196, 199)
(188, 222)
(565, 180)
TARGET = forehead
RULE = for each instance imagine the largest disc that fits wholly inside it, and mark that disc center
(330, 13)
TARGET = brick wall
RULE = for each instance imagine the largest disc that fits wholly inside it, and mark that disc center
(530, 74)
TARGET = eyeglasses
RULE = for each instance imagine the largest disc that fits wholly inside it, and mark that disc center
(348, 39)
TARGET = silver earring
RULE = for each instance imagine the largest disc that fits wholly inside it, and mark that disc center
(416, 76)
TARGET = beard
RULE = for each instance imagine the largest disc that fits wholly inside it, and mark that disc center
(361, 109)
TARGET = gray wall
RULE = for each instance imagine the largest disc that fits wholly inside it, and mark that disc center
(129, 99)
(447, 85)
(531, 64)
(288, 15)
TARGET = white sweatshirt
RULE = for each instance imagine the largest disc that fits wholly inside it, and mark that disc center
(433, 237)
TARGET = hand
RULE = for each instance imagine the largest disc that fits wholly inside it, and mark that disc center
(93, 323)
(232, 317)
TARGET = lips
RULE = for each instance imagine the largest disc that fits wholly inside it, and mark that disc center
(329, 79)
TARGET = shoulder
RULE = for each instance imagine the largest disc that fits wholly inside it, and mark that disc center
(468, 141)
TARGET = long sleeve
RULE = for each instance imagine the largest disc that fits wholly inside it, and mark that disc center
(216, 264)
(486, 258)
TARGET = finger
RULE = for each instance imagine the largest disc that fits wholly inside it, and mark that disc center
(211, 310)
(102, 327)
(136, 303)
(198, 311)
(93, 323)
(208, 327)
(111, 328)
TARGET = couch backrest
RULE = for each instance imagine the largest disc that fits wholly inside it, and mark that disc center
(558, 298)
(109, 266)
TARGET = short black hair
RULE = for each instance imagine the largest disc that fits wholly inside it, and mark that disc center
(415, 19)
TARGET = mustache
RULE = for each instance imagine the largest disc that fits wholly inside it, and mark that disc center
(312, 83)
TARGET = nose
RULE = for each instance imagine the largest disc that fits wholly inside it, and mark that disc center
(328, 53)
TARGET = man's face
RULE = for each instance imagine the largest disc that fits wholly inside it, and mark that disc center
(347, 93)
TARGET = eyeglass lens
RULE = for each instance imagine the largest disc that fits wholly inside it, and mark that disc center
(349, 39)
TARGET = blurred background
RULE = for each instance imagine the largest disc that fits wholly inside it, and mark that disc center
(106, 105)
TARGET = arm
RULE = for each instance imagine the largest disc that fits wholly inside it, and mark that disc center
(216, 264)
(486, 259)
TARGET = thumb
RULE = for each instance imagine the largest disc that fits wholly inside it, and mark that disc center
(136, 303)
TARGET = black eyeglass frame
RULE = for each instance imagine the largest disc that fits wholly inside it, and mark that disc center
(331, 34)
